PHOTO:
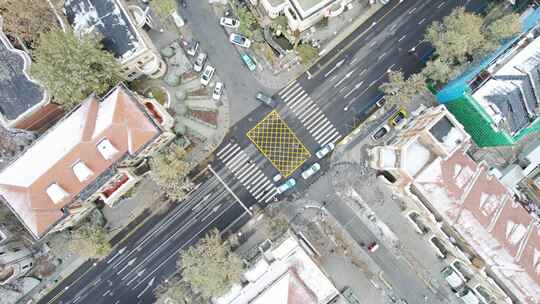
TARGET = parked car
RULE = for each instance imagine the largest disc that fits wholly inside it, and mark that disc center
(289, 184)
(207, 75)
(199, 62)
(380, 133)
(399, 118)
(277, 178)
(468, 296)
(325, 150)
(267, 100)
(229, 22)
(350, 296)
(239, 40)
(248, 61)
(452, 277)
(193, 48)
(311, 170)
(373, 247)
(218, 90)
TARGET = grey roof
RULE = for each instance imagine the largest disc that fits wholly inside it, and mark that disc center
(441, 128)
(17, 92)
(108, 18)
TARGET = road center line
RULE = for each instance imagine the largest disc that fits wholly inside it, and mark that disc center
(441, 5)
(422, 21)
(402, 37)
(412, 10)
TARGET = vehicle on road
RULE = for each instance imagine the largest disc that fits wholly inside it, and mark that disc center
(239, 40)
(289, 184)
(267, 100)
(218, 90)
(349, 295)
(383, 2)
(311, 171)
(373, 247)
(380, 133)
(207, 75)
(399, 118)
(468, 296)
(193, 48)
(248, 61)
(229, 22)
(277, 178)
(325, 150)
(199, 62)
(452, 277)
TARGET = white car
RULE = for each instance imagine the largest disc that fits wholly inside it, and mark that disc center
(311, 170)
(207, 75)
(218, 90)
(289, 184)
(199, 62)
(325, 150)
(239, 40)
(229, 22)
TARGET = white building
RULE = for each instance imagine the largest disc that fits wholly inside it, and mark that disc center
(302, 14)
(122, 35)
(285, 274)
(16, 260)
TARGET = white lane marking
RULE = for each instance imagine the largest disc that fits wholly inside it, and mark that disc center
(287, 87)
(373, 43)
(301, 108)
(356, 87)
(230, 155)
(412, 10)
(296, 88)
(322, 135)
(354, 60)
(402, 37)
(326, 124)
(441, 4)
(294, 95)
(257, 177)
(106, 293)
(333, 78)
(307, 114)
(342, 89)
(381, 57)
(224, 149)
(270, 195)
(422, 21)
(314, 122)
(362, 72)
(299, 102)
(329, 137)
(310, 120)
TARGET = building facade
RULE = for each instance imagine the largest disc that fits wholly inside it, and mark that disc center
(16, 258)
(498, 100)
(463, 210)
(122, 35)
(89, 155)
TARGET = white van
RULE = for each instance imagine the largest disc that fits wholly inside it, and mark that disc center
(451, 276)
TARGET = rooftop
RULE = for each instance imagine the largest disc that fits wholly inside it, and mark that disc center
(307, 8)
(18, 93)
(41, 182)
(480, 208)
(511, 96)
(109, 19)
(292, 278)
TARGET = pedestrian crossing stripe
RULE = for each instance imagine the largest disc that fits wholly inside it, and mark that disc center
(278, 143)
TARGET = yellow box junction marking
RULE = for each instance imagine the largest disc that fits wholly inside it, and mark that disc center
(277, 142)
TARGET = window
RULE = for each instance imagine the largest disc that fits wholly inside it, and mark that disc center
(82, 171)
(56, 193)
(106, 149)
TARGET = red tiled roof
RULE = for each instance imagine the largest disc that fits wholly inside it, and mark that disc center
(480, 208)
(23, 183)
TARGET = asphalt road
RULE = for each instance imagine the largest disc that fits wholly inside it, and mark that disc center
(240, 84)
(313, 109)
(147, 257)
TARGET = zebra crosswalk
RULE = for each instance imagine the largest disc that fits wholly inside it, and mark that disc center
(247, 172)
(309, 113)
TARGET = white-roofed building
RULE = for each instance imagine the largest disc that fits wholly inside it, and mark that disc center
(475, 216)
(284, 274)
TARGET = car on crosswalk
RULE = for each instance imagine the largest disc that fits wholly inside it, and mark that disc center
(289, 184)
(325, 150)
(309, 172)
